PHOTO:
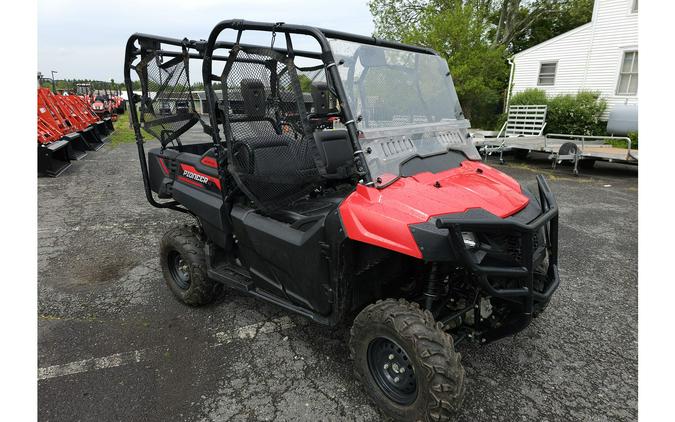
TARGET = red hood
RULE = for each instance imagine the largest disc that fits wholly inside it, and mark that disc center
(381, 216)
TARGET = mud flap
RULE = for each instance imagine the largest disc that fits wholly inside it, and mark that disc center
(77, 147)
(53, 158)
(92, 139)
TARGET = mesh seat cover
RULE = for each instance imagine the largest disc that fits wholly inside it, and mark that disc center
(273, 155)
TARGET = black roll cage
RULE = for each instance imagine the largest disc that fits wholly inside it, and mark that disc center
(204, 50)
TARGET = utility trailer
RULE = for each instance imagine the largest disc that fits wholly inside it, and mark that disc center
(523, 132)
(582, 151)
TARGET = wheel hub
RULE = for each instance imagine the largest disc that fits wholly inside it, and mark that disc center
(180, 270)
(392, 370)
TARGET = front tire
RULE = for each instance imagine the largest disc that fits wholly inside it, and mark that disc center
(406, 362)
(184, 267)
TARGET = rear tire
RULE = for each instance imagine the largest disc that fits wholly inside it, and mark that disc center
(406, 362)
(184, 267)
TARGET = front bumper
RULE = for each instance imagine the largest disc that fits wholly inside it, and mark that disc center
(521, 270)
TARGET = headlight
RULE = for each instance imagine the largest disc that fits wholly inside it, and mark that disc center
(469, 239)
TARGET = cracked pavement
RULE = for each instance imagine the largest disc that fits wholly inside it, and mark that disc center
(115, 345)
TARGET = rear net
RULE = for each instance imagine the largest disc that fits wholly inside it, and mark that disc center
(167, 108)
(270, 142)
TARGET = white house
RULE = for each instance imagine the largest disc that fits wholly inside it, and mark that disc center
(601, 55)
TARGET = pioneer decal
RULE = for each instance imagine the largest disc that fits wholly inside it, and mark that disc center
(195, 176)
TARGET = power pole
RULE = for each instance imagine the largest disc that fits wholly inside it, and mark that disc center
(53, 81)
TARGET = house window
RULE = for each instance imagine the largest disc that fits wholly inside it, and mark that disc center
(547, 74)
(634, 9)
(628, 74)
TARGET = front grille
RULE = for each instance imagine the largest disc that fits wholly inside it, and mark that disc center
(510, 245)
(514, 248)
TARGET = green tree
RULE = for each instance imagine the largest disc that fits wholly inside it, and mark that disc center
(305, 83)
(459, 31)
(476, 37)
(560, 18)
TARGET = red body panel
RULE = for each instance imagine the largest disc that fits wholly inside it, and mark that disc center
(381, 217)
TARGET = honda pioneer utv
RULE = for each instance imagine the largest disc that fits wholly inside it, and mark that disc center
(340, 182)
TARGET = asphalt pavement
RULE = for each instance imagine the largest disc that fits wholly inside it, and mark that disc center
(114, 344)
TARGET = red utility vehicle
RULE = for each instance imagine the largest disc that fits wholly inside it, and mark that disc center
(357, 200)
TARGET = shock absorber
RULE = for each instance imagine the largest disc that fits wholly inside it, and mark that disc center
(435, 285)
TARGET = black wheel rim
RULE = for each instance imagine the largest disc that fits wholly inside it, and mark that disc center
(392, 370)
(179, 270)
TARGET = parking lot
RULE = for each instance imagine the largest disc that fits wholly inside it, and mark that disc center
(115, 345)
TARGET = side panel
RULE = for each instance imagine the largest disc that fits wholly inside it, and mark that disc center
(183, 177)
(283, 260)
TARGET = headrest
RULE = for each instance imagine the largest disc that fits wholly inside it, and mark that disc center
(320, 98)
(254, 97)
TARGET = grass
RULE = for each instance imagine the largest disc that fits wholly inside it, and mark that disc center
(123, 134)
(622, 143)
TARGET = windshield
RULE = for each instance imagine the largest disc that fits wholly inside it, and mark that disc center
(405, 105)
(387, 87)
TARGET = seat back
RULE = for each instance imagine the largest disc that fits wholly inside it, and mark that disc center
(335, 152)
(321, 98)
(270, 148)
(253, 98)
(251, 115)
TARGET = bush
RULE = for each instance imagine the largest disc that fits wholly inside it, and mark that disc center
(531, 96)
(633, 140)
(622, 144)
(575, 114)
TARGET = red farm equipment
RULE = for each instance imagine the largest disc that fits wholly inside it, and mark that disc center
(92, 133)
(54, 152)
(58, 144)
(66, 129)
(119, 104)
(79, 105)
(103, 107)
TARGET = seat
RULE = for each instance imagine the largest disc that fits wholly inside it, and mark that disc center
(335, 152)
(271, 165)
(251, 112)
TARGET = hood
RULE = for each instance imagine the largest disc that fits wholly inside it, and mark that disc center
(472, 185)
(382, 216)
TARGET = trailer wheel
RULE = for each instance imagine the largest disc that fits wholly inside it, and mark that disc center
(568, 148)
(184, 267)
(406, 362)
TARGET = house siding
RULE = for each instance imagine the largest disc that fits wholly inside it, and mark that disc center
(589, 57)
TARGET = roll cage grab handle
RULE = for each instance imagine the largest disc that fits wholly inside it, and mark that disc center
(129, 55)
(205, 52)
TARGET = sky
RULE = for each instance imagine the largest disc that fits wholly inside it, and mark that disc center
(86, 39)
